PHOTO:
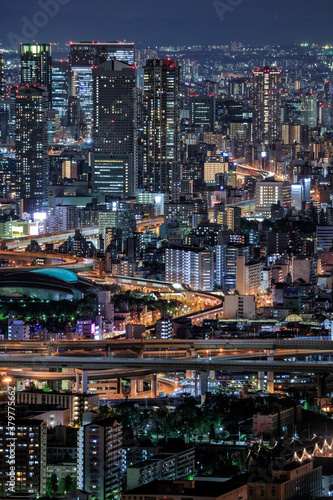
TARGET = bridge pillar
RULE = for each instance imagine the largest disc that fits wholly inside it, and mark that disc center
(139, 385)
(49, 351)
(133, 387)
(77, 382)
(119, 386)
(153, 385)
(321, 390)
(203, 383)
(84, 381)
(270, 376)
(190, 374)
(191, 353)
(261, 380)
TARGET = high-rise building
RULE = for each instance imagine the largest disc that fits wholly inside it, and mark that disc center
(248, 281)
(30, 438)
(293, 133)
(60, 87)
(232, 218)
(193, 267)
(115, 129)
(66, 217)
(88, 54)
(227, 111)
(99, 455)
(202, 112)
(161, 123)
(85, 56)
(226, 263)
(2, 76)
(266, 105)
(309, 109)
(31, 144)
(36, 66)
(268, 193)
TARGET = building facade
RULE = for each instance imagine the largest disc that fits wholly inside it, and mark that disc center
(161, 123)
(115, 164)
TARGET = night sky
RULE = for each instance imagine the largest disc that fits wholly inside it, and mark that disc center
(155, 22)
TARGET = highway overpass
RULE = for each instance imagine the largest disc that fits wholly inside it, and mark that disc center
(172, 344)
(156, 365)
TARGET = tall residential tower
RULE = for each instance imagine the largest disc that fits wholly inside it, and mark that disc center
(32, 165)
(161, 123)
(266, 105)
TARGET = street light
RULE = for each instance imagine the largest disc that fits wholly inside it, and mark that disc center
(7, 380)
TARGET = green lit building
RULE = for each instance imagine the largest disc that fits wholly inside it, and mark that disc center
(36, 65)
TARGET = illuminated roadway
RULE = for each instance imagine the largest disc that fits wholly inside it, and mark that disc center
(16, 243)
(173, 344)
(219, 363)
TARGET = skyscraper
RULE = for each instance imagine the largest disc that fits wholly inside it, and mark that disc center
(115, 129)
(30, 457)
(309, 108)
(2, 76)
(60, 87)
(32, 147)
(84, 56)
(202, 112)
(99, 454)
(161, 123)
(266, 105)
(36, 66)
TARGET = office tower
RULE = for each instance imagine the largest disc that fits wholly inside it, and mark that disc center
(30, 438)
(227, 111)
(241, 131)
(120, 219)
(60, 88)
(189, 266)
(36, 66)
(309, 110)
(85, 56)
(115, 129)
(297, 196)
(202, 112)
(2, 76)
(99, 455)
(266, 105)
(268, 193)
(32, 148)
(161, 123)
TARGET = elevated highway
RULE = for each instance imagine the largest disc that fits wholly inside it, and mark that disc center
(58, 237)
(173, 344)
(219, 363)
